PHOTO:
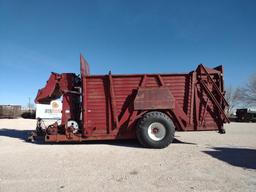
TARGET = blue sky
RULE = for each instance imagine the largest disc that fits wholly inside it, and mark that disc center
(135, 36)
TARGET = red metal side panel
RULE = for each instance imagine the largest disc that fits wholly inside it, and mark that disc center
(179, 87)
(96, 104)
(99, 117)
(124, 88)
(154, 99)
(192, 101)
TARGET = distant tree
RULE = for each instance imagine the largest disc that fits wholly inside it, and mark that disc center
(30, 105)
(232, 99)
(247, 94)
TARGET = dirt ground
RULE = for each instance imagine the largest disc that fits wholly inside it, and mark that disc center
(196, 161)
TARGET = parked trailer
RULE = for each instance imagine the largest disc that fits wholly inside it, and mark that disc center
(10, 111)
(149, 107)
(246, 115)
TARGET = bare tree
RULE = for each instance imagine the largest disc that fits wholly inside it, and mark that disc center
(30, 105)
(232, 99)
(247, 94)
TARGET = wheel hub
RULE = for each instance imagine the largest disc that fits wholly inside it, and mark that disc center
(156, 131)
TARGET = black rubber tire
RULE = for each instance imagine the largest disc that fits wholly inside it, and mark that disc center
(146, 121)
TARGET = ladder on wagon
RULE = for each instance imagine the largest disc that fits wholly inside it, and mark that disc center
(214, 89)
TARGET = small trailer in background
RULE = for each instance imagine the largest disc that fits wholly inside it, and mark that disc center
(246, 115)
(10, 111)
(149, 107)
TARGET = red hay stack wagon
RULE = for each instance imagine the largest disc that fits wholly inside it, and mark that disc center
(149, 107)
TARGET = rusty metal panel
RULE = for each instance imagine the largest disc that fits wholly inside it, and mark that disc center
(96, 100)
(154, 98)
(178, 86)
(154, 91)
(49, 92)
(84, 66)
(55, 86)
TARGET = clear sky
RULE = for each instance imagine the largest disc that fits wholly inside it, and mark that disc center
(125, 36)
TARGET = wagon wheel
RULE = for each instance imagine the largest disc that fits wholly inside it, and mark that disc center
(155, 130)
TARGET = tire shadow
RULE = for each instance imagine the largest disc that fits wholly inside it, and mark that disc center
(177, 141)
(239, 157)
(24, 134)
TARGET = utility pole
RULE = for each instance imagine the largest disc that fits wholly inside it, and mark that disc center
(29, 105)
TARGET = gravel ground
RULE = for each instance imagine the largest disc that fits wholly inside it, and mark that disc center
(197, 161)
